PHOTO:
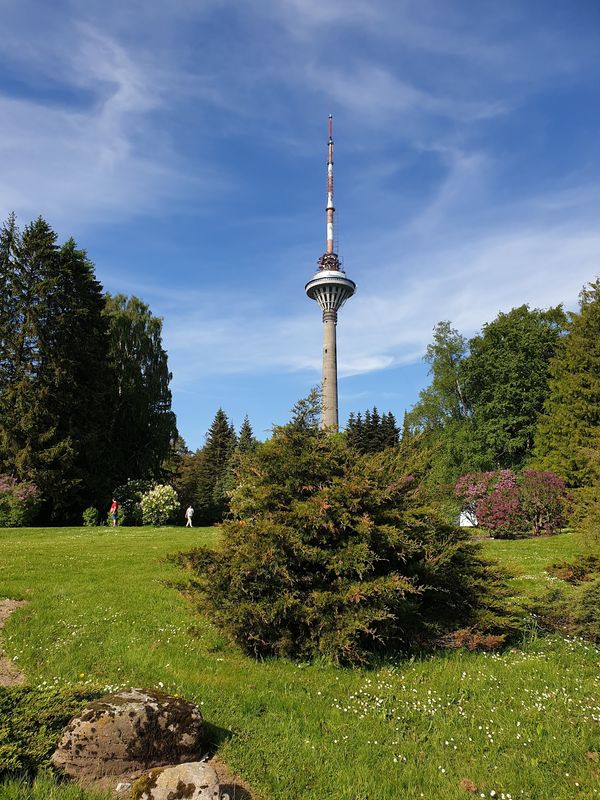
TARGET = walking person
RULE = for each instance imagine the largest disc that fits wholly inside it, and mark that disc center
(113, 512)
(188, 517)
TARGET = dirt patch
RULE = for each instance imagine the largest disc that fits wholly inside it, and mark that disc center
(9, 674)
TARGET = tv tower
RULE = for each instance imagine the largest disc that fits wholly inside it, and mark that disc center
(330, 287)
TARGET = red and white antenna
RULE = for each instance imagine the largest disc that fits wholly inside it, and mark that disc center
(330, 209)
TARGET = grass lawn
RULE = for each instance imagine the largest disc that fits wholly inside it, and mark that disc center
(515, 725)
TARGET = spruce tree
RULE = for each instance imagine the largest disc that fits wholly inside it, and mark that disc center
(246, 441)
(390, 432)
(569, 429)
(214, 471)
(52, 401)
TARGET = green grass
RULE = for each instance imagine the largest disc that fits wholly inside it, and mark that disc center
(518, 723)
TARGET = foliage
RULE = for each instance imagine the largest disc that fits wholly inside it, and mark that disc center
(31, 721)
(53, 346)
(142, 426)
(441, 418)
(506, 375)
(507, 504)
(90, 517)
(584, 568)
(246, 439)
(330, 554)
(159, 505)
(373, 433)
(19, 502)
(129, 496)
(483, 403)
(445, 398)
(572, 610)
(214, 471)
(568, 436)
(544, 500)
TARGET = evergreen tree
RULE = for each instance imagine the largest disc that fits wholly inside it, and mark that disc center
(53, 346)
(374, 434)
(568, 432)
(331, 554)
(390, 432)
(246, 441)
(142, 427)
(215, 471)
(351, 429)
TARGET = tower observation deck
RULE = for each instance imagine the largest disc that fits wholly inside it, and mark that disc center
(330, 287)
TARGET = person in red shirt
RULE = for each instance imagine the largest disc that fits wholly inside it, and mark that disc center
(113, 512)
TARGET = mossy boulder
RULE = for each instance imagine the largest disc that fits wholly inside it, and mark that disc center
(194, 781)
(129, 731)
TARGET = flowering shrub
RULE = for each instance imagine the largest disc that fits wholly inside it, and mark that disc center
(544, 499)
(507, 504)
(129, 496)
(158, 505)
(19, 502)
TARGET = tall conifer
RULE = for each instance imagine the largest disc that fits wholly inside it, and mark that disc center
(52, 401)
(568, 433)
(214, 470)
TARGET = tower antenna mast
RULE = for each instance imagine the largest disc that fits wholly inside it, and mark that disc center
(330, 208)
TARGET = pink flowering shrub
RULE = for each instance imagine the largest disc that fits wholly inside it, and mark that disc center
(19, 502)
(507, 504)
(545, 500)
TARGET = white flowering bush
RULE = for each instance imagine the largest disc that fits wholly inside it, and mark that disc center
(158, 505)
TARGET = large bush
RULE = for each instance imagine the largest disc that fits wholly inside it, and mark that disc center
(129, 496)
(330, 553)
(159, 505)
(19, 502)
(532, 503)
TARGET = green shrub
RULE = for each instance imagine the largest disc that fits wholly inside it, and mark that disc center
(584, 568)
(159, 505)
(19, 502)
(573, 607)
(31, 721)
(129, 496)
(332, 554)
(90, 517)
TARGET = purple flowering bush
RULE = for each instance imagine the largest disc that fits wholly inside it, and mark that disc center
(19, 502)
(507, 504)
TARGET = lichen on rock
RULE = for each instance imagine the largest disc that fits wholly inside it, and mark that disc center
(129, 731)
(192, 781)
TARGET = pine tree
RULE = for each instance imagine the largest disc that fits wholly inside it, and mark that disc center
(569, 429)
(214, 471)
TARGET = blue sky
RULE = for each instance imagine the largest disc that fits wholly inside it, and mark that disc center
(183, 144)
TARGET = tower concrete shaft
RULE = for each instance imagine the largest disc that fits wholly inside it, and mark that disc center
(329, 417)
(330, 288)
